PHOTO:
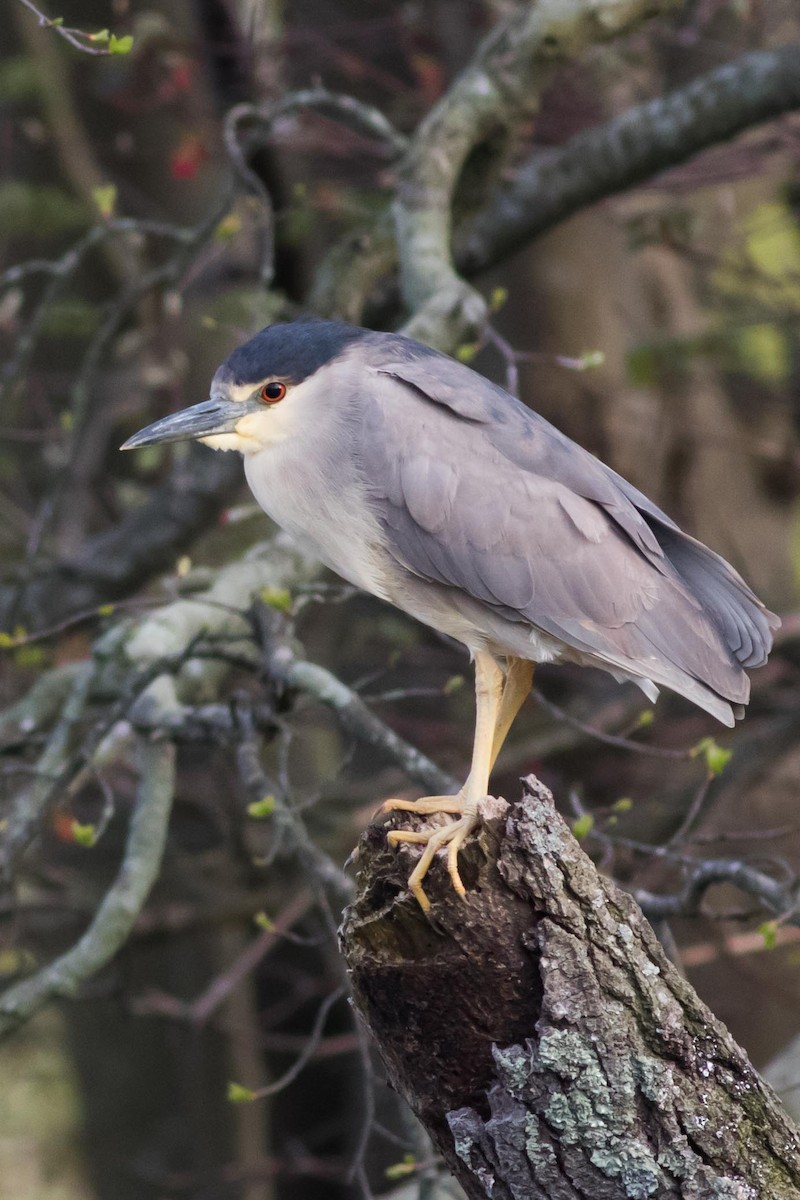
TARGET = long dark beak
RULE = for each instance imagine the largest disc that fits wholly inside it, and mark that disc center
(212, 416)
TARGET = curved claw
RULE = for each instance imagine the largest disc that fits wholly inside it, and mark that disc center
(453, 836)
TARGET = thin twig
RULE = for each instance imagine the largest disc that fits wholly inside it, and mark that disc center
(76, 37)
(122, 903)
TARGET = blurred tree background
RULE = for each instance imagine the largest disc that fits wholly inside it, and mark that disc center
(161, 199)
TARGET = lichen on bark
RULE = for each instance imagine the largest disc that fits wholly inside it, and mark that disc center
(542, 1036)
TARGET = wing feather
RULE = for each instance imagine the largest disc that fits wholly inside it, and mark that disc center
(478, 493)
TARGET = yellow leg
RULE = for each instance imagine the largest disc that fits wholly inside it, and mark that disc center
(488, 694)
(516, 689)
(498, 700)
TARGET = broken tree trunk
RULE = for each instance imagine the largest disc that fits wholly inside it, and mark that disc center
(540, 1034)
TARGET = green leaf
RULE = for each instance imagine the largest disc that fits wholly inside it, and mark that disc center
(228, 227)
(278, 598)
(13, 960)
(498, 299)
(716, 757)
(102, 36)
(592, 359)
(582, 826)
(623, 805)
(645, 718)
(769, 932)
(240, 1095)
(401, 1170)
(84, 835)
(7, 640)
(263, 921)
(121, 45)
(262, 808)
(467, 352)
(773, 240)
(454, 684)
(105, 197)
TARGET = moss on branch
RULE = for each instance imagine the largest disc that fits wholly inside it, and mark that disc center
(542, 1036)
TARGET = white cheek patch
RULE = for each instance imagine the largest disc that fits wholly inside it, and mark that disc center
(257, 429)
(261, 428)
(225, 441)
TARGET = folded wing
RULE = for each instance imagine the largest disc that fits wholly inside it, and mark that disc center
(478, 493)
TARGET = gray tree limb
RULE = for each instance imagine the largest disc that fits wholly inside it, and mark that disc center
(633, 147)
(542, 1036)
(500, 87)
(551, 186)
(123, 902)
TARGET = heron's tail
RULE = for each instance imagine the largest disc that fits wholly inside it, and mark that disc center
(745, 624)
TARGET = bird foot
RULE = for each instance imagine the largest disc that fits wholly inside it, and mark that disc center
(453, 835)
(425, 806)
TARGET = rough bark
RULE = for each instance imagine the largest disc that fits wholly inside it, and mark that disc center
(542, 1036)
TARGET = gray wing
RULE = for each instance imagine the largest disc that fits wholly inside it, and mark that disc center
(478, 493)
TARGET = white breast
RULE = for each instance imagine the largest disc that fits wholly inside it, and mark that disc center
(318, 498)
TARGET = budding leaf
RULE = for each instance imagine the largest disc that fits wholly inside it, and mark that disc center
(582, 826)
(262, 808)
(120, 45)
(277, 598)
(400, 1170)
(83, 835)
(240, 1095)
(228, 227)
(769, 932)
(105, 197)
(716, 757)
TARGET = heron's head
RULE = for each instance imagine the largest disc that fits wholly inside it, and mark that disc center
(258, 393)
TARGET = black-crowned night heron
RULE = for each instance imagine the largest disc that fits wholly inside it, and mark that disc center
(420, 481)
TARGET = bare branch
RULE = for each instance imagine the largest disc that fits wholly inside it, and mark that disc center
(353, 112)
(554, 184)
(778, 897)
(501, 86)
(283, 664)
(122, 903)
(87, 43)
(633, 147)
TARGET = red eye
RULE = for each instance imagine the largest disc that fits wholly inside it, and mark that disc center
(271, 393)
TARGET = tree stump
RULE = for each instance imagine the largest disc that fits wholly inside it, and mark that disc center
(541, 1035)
